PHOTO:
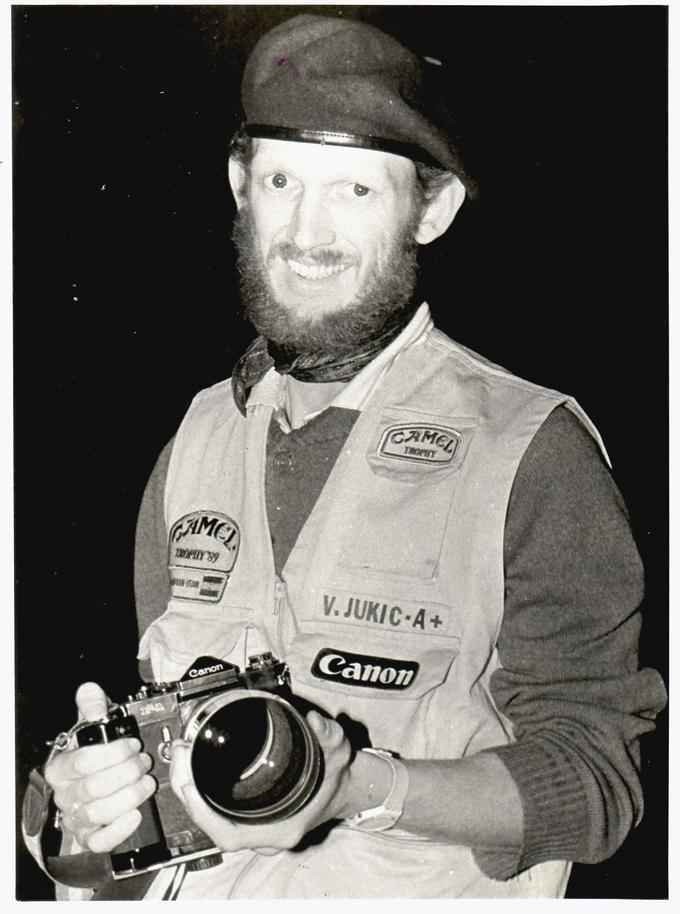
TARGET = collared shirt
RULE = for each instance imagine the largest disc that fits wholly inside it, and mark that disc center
(272, 389)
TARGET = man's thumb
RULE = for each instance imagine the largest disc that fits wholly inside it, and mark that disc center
(91, 701)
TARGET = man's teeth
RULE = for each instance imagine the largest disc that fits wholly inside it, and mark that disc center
(307, 271)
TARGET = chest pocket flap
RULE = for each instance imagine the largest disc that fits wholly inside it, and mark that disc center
(407, 488)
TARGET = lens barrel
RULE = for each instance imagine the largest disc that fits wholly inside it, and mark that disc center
(253, 756)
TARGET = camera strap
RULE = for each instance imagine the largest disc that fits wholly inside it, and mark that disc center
(41, 827)
(83, 870)
(44, 838)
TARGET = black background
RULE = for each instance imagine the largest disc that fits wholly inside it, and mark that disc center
(125, 293)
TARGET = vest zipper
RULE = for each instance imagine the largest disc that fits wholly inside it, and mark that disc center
(279, 588)
(278, 595)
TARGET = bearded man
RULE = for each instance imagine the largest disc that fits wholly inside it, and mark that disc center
(433, 546)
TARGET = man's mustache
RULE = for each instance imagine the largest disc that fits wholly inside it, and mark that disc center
(322, 257)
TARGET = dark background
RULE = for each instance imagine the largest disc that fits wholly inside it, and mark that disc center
(125, 293)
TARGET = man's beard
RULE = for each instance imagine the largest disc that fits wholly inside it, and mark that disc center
(388, 292)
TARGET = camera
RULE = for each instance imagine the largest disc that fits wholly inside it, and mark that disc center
(254, 758)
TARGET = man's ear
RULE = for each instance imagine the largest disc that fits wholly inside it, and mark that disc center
(440, 211)
(238, 179)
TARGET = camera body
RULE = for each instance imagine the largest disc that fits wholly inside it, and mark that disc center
(253, 756)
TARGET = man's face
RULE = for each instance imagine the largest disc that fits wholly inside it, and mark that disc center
(330, 231)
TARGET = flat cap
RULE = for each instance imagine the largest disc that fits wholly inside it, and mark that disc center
(323, 79)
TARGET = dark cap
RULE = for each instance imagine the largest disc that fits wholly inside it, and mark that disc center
(323, 79)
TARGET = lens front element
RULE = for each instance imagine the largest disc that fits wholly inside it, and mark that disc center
(253, 756)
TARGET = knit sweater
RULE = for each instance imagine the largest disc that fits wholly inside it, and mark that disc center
(569, 679)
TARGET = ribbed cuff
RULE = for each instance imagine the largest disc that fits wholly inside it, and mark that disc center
(553, 804)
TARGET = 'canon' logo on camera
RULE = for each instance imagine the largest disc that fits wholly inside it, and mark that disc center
(362, 670)
(206, 670)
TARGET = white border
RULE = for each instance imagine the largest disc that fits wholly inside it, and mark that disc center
(6, 501)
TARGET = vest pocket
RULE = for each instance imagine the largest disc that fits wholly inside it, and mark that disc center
(391, 682)
(338, 661)
(397, 529)
(404, 495)
(419, 448)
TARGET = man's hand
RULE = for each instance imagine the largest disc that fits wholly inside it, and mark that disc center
(330, 801)
(98, 788)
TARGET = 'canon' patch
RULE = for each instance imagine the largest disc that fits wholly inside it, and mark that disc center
(433, 444)
(365, 671)
(202, 551)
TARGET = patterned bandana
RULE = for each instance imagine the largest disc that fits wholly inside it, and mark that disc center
(310, 367)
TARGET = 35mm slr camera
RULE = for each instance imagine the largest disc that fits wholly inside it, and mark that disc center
(253, 756)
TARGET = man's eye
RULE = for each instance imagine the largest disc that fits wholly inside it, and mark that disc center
(360, 190)
(279, 181)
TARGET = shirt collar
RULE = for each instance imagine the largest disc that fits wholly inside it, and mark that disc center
(272, 389)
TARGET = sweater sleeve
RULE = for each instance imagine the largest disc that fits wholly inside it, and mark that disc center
(152, 585)
(569, 680)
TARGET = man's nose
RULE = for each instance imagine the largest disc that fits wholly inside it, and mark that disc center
(311, 225)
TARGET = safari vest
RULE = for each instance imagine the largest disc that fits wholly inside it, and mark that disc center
(389, 607)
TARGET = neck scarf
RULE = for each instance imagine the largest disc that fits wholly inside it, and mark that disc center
(310, 367)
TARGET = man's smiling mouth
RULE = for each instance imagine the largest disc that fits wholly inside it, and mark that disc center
(316, 271)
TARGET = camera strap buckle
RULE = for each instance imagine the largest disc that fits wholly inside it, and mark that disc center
(61, 741)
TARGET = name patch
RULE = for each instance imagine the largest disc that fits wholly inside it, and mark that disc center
(202, 551)
(434, 444)
(382, 613)
(365, 671)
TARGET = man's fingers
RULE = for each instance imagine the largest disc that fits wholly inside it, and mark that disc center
(91, 701)
(80, 763)
(103, 783)
(79, 793)
(107, 809)
(81, 818)
(206, 819)
(180, 771)
(319, 725)
(106, 839)
(329, 732)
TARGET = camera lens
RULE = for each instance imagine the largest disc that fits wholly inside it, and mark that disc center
(254, 757)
